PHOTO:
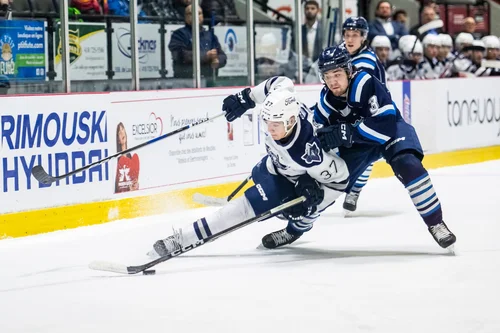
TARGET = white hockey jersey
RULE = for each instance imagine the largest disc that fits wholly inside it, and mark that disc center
(302, 152)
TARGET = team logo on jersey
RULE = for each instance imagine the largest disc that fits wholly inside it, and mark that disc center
(276, 159)
(312, 154)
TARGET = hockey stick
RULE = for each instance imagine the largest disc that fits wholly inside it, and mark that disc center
(214, 201)
(43, 177)
(435, 24)
(123, 269)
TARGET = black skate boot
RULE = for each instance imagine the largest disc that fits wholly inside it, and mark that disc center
(350, 202)
(442, 235)
(279, 238)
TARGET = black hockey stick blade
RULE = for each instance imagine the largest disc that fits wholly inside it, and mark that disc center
(42, 176)
(208, 200)
(123, 269)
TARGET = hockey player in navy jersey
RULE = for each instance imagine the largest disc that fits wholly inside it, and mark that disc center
(355, 33)
(295, 165)
(361, 120)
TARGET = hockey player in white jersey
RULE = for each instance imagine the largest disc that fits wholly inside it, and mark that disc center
(409, 65)
(295, 165)
(431, 66)
(383, 49)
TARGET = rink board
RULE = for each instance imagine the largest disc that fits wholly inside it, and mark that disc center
(66, 217)
(458, 122)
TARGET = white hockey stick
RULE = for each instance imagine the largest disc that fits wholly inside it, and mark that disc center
(214, 201)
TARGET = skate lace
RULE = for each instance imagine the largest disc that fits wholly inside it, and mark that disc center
(440, 231)
(281, 237)
(352, 198)
(173, 243)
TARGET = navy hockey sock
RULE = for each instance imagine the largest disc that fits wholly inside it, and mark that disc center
(410, 171)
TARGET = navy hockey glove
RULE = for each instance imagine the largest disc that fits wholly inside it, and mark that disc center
(310, 188)
(236, 105)
(335, 136)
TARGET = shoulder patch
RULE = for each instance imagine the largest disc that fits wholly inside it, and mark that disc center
(312, 153)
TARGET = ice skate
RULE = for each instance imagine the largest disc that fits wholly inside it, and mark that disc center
(443, 236)
(350, 203)
(279, 238)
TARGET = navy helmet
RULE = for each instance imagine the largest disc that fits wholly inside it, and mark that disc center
(334, 57)
(356, 23)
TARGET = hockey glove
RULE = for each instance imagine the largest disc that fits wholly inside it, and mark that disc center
(236, 105)
(310, 188)
(335, 136)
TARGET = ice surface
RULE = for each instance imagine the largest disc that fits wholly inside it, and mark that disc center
(379, 271)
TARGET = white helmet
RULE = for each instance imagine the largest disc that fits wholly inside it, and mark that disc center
(431, 39)
(381, 41)
(446, 40)
(267, 47)
(406, 39)
(491, 42)
(463, 38)
(478, 45)
(281, 105)
(409, 46)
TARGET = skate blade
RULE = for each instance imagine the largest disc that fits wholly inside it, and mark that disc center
(347, 213)
(153, 255)
(451, 249)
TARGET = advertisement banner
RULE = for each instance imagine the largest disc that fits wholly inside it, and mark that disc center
(62, 134)
(468, 116)
(206, 153)
(149, 44)
(273, 42)
(23, 50)
(87, 51)
(233, 41)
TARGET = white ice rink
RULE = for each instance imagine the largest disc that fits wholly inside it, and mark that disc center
(379, 271)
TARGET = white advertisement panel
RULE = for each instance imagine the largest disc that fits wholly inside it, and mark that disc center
(466, 114)
(60, 133)
(149, 44)
(208, 153)
(87, 52)
(233, 41)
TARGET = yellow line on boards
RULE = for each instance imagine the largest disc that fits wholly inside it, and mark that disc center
(67, 217)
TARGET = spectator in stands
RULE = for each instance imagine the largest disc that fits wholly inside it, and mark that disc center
(384, 26)
(312, 34)
(382, 47)
(470, 27)
(89, 7)
(224, 10)
(121, 7)
(400, 16)
(492, 45)
(211, 55)
(428, 14)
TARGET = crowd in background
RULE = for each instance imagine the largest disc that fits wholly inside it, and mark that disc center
(409, 54)
(405, 53)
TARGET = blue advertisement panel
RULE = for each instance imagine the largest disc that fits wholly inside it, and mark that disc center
(23, 50)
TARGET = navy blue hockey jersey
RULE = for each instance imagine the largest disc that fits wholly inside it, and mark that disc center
(365, 59)
(368, 107)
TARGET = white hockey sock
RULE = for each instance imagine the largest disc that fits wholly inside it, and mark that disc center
(234, 212)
